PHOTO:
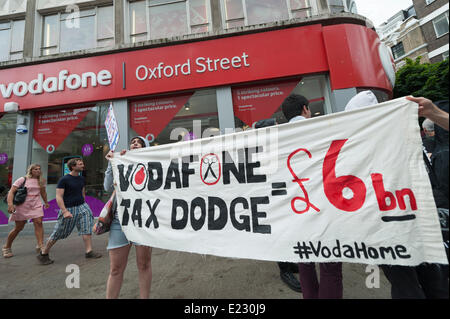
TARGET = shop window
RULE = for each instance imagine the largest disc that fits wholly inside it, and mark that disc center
(61, 134)
(441, 25)
(238, 13)
(174, 118)
(156, 19)
(7, 141)
(72, 31)
(252, 103)
(11, 38)
(398, 50)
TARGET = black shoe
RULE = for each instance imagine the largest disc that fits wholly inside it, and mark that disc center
(289, 279)
(44, 259)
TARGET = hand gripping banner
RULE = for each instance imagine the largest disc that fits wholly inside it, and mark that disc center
(350, 187)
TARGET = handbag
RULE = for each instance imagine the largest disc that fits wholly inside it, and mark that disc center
(21, 194)
(105, 218)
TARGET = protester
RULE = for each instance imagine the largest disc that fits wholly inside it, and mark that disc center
(428, 141)
(70, 197)
(295, 108)
(119, 246)
(431, 111)
(30, 209)
(425, 280)
(287, 270)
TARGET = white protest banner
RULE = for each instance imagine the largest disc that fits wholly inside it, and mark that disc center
(111, 128)
(350, 186)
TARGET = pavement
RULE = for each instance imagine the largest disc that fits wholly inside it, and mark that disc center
(176, 275)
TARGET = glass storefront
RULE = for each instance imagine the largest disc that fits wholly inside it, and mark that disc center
(64, 133)
(7, 141)
(59, 135)
(173, 118)
(255, 102)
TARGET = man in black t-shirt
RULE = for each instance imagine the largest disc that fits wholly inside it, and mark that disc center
(70, 194)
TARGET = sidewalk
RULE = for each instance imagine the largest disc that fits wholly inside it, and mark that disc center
(175, 274)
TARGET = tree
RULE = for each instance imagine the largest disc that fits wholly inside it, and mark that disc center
(427, 80)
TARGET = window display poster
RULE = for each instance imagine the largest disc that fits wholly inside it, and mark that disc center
(52, 127)
(149, 117)
(259, 102)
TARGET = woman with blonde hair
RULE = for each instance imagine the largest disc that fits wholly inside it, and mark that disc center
(32, 208)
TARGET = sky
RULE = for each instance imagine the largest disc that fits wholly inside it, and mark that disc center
(379, 11)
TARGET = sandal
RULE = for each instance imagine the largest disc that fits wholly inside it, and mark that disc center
(7, 253)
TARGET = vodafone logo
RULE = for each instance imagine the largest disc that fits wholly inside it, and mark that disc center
(43, 84)
(140, 177)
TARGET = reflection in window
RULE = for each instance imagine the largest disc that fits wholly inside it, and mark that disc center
(300, 8)
(336, 6)
(65, 32)
(7, 142)
(266, 11)
(11, 39)
(83, 134)
(257, 102)
(155, 19)
(441, 25)
(398, 50)
(173, 118)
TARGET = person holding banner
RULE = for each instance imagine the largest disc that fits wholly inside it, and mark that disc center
(32, 208)
(295, 108)
(118, 244)
(431, 111)
(422, 281)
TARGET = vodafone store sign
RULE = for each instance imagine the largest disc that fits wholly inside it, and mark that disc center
(189, 66)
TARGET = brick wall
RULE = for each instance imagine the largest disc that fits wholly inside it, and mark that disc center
(430, 37)
(422, 9)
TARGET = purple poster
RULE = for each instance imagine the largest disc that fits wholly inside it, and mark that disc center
(3, 158)
(87, 149)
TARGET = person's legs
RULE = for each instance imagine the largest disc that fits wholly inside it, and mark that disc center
(63, 228)
(330, 286)
(404, 282)
(18, 227)
(308, 280)
(118, 258)
(433, 279)
(287, 276)
(85, 222)
(144, 265)
(39, 231)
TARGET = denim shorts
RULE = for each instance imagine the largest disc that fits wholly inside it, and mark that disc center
(117, 237)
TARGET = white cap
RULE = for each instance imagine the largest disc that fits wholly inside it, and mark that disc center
(364, 98)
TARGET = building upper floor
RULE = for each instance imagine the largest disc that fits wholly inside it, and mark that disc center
(31, 30)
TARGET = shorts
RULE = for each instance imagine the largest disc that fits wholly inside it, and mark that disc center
(117, 237)
(81, 217)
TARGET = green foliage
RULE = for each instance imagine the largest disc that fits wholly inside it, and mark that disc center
(427, 80)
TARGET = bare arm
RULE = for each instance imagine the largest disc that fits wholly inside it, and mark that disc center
(11, 193)
(44, 196)
(60, 202)
(429, 110)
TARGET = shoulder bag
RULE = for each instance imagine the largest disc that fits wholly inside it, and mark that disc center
(21, 194)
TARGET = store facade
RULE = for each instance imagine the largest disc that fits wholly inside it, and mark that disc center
(177, 91)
